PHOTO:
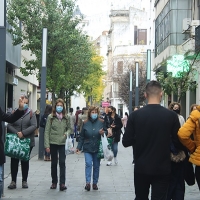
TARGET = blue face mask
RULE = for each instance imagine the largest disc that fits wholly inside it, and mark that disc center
(59, 109)
(94, 116)
(25, 106)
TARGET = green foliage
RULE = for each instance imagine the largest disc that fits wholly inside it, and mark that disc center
(69, 53)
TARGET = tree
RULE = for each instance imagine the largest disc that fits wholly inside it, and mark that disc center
(124, 84)
(69, 52)
(93, 86)
(180, 78)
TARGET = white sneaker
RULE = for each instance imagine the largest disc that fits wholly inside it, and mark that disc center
(115, 160)
(109, 164)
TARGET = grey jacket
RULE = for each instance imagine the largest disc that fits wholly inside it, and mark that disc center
(89, 136)
(26, 124)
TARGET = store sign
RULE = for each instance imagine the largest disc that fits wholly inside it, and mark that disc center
(105, 104)
(177, 64)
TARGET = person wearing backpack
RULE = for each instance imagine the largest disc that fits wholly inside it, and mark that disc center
(43, 121)
(23, 127)
(57, 129)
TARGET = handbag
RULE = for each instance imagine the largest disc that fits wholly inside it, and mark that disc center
(16, 147)
(189, 174)
(179, 157)
(100, 153)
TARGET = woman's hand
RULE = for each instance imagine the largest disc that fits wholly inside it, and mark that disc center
(78, 151)
(48, 150)
(109, 132)
(101, 131)
(20, 135)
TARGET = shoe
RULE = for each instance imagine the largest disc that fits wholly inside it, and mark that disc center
(53, 186)
(24, 184)
(115, 160)
(109, 164)
(12, 185)
(62, 187)
(87, 187)
(94, 186)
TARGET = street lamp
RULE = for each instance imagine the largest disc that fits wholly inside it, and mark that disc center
(2, 67)
(136, 83)
(148, 65)
(130, 92)
(43, 92)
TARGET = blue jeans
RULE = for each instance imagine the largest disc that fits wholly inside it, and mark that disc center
(115, 148)
(91, 160)
(1, 180)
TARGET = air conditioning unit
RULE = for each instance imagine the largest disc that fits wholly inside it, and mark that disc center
(194, 24)
(186, 25)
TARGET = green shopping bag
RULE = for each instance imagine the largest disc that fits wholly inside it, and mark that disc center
(16, 147)
(100, 154)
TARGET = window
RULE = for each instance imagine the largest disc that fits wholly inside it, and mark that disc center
(142, 36)
(120, 67)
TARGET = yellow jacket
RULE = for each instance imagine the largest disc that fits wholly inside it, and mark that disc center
(192, 126)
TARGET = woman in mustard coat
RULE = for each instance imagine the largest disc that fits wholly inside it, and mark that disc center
(192, 126)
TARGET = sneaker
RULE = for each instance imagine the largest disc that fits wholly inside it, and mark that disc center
(115, 159)
(24, 184)
(109, 164)
(12, 185)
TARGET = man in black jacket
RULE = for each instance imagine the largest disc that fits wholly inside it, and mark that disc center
(150, 130)
(10, 118)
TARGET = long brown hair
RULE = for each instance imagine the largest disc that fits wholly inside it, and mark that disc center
(54, 107)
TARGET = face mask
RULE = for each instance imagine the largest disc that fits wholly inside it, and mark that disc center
(25, 106)
(110, 113)
(94, 116)
(59, 109)
(177, 111)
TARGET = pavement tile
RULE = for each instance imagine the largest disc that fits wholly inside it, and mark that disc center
(115, 182)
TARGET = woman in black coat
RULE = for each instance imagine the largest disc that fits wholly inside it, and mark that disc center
(114, 122)
(10, 118)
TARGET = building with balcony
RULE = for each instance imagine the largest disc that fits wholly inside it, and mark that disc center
(175, 23)
(127, 45)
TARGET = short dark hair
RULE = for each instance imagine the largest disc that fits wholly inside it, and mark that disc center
(153, 88)
(48, 110)
(77, 108)
(71, 110)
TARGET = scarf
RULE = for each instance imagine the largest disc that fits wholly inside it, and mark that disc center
(59, 116)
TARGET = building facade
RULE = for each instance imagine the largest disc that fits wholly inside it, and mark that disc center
(128, 44)
(175, 23)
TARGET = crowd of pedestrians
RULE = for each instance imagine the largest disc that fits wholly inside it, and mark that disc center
(165, 146)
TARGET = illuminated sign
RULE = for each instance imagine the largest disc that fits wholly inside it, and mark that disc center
(177, 64)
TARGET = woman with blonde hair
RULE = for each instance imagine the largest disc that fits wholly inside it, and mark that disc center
(56, 131)
(93, 128)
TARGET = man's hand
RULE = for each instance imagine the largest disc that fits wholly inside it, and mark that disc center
(21, 103)
(20, 135)
(109, 132)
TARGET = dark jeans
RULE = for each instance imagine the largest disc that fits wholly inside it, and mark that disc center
(177, 183)
(159, 186)
(57, 150)
(197, 175)
(14, 164)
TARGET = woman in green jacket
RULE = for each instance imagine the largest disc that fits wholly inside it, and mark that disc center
(93, 128)
(56, 131)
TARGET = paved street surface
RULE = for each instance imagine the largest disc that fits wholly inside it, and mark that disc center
(115, 182)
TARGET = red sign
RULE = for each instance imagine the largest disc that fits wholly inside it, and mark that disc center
(105, 104)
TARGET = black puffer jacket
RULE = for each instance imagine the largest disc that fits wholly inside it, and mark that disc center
(10, 119)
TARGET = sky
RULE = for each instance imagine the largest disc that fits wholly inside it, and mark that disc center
(97, 11)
